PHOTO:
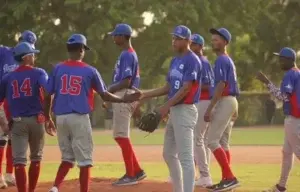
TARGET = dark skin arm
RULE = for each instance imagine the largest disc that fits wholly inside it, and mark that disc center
(155, 92)
(50, 126)
(124, 84)
(217, 96)
(181, 93)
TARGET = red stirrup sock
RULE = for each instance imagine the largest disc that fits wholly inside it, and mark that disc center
(84, 178)
(21, 177)
(9, 158)
(62, 171)
(220, 156)
(127, 153)
(33, 175)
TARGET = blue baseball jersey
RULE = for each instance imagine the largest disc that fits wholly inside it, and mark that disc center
(182, 69)
(290, 85)
(7, 61)
(23, 90)
(224, 70)
(207, 78)
(73, 84)
(127, 66)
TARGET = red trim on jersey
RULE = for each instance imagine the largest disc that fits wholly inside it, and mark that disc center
(23, 68)
(73, 63)
(226, 89)
(130, 50)
(204, 95)
(295, 111)
(91, 99)
(189, 99)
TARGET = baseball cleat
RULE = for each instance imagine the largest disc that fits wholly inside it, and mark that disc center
(276, 188)
(3, 184)
(53, 189)
(141, 175)
(204, 182)
(227, 185)
(125, 180)
(10, 179)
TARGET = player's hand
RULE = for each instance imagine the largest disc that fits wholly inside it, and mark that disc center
(50, 127)
(104, 105)
(4, 125)
(163, 110)
(262, 77)
(207, 116)
(135, 96)
(234, 116)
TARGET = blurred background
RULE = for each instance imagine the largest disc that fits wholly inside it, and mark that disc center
(258, 27)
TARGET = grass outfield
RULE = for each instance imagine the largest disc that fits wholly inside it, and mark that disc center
(240, 136)
(253, 177)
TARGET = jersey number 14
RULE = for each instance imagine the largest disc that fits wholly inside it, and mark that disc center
(70, 84)
(25, 88)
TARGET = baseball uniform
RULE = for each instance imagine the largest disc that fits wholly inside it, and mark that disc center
(126, 68)
(23, 91)
(178, 150)
(289, 93)
(202, 153)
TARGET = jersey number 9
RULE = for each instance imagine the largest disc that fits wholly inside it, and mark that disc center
(70, 84)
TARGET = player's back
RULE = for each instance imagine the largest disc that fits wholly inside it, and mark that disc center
(72, 86)
(23, 90)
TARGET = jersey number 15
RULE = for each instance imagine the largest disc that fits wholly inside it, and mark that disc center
(70, 84)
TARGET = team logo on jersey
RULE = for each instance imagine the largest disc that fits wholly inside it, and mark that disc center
(288, 86)
(175, 73)
(181, 66)
(9, 68)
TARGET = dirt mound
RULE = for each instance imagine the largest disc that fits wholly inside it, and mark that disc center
(104, 185)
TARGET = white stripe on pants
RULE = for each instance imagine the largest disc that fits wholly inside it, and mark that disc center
(178, 149)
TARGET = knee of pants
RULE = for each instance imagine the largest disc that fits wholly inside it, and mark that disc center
(3, 143)
(85, 163)
(36, 157)
(168, 156)
(213, 145)
(287, 153)
(19, 161)
(224, 145)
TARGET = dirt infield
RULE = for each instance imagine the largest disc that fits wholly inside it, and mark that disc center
(240, 154)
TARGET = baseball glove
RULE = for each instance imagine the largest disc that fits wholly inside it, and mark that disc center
(149, 121)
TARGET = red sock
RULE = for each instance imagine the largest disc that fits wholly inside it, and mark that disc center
(63, 170)
(136, 164)
(220, 156)
(33, 175)
(84, 178)
(9, 159)
(228, 156)
(1, 158)
(21, 178)
(127, 153)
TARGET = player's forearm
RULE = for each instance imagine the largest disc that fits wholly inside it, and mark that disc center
(47, 106)
(277, 93)
(156, 92)
(181, 93)
(124, 84)
(107, 96)
(217, 95)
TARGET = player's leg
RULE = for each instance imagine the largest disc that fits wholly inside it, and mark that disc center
(19, 141)
(200, 148)
(65, 145)
(9, 177)
(171, 157)
(3, 142)
(36, 145)
(221, 117)
(225, 139)
(184, 122)
(121, 131)
(82, 145)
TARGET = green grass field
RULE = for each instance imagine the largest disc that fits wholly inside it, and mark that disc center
(254, 177)
(246, 136)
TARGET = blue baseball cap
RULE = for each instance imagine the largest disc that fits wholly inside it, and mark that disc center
(28, 36)
(287, 53)
(24, 48)
(79, 39)
(182, 31)
(121, 29)
(222, 32)
(198, 39)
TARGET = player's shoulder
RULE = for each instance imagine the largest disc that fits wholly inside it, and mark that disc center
(5, 48)
(224, 59)
(294, 72)
(39, 70)
(128, 54)
(192, 58)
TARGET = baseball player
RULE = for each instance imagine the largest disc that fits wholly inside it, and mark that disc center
(8, 64)
(222, 108)
(72, 82)
(182, 87)
(126, 75)
(202, 153)
(289, 93)
(22, 89)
